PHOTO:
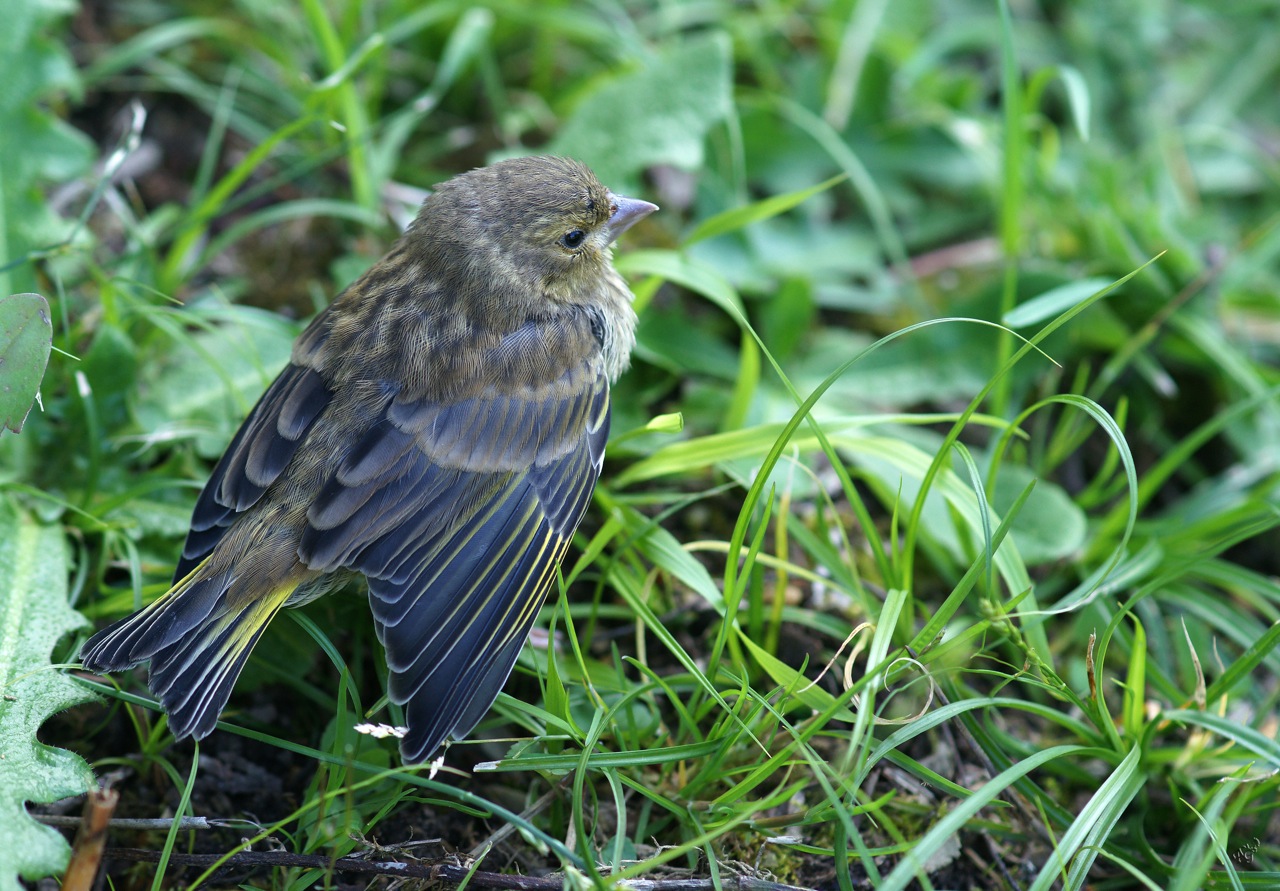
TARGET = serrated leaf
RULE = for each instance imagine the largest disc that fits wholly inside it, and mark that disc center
(34, 614)
(26, 337)
(657, 114)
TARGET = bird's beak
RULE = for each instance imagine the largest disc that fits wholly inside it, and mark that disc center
(626, 213)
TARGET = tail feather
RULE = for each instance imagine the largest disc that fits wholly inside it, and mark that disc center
(194, 681)
(134, 639)
(197, 643)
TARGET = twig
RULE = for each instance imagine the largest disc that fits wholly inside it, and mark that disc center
(448, 873)
(86, 853)
(142, 825)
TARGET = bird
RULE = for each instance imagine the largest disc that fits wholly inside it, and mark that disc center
(439, 430)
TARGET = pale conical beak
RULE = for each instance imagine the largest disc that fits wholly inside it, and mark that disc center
(626, 213)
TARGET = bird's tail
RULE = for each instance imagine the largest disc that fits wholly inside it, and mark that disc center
(197, 636)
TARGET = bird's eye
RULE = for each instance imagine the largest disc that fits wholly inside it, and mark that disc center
(573, 239)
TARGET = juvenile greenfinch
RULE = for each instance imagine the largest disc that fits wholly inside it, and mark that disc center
(439, 430)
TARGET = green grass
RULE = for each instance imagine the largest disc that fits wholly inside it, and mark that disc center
(936, 543)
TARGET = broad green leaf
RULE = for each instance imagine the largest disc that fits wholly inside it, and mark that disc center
(34, 614)
(934, 366)
(664, 338)
(25, 339)
(209, 384)
(149, 517)
(659, 113)
(1050, 526)
(35, 146)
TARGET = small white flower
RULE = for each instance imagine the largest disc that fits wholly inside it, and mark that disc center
(381, 731)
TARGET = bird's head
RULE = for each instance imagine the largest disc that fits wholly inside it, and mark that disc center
(544, 220)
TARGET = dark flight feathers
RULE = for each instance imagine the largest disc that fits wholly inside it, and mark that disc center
(256, 457)
(458, 515)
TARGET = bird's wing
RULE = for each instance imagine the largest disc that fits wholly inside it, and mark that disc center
(259, 452)
(459, 514)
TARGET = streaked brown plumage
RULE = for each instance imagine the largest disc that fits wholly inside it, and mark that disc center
(439, 430)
